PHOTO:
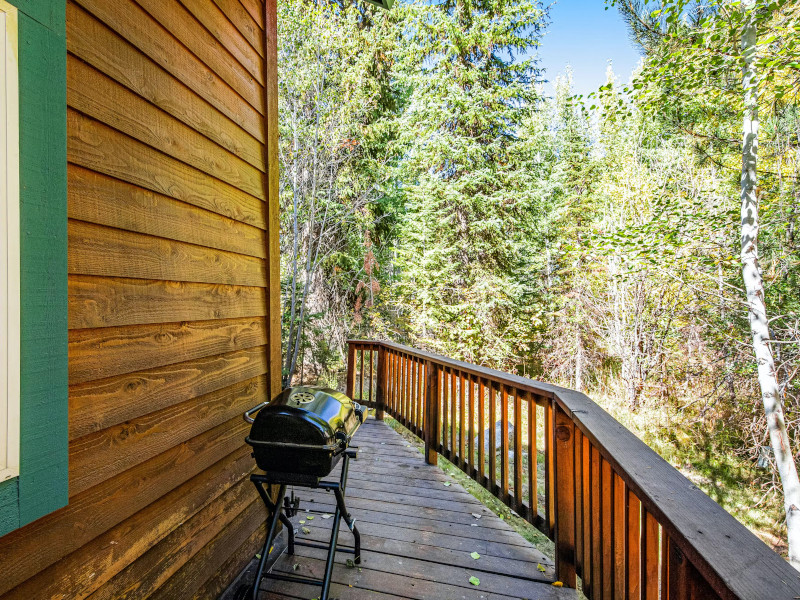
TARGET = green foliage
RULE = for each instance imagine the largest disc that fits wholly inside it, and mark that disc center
(463, 286)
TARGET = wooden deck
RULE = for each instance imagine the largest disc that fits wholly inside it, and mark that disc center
(417, 535)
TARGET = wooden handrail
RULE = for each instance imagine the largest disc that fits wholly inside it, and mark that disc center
(622, 518)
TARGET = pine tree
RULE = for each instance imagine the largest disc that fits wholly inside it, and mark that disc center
(469, 71)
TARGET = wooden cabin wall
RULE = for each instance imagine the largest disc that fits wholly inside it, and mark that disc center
(173, 323)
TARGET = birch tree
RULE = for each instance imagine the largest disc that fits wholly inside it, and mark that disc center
(751, 274)
(694, 52)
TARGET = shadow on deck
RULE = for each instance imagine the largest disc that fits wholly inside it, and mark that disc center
(417, 535)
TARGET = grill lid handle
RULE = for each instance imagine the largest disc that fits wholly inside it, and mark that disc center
(255, 409)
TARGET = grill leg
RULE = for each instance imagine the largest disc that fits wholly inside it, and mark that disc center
(290, 531)
(275, 510)
(340, 504)
(326, 580)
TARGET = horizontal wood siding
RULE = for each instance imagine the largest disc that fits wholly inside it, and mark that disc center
(172, 315)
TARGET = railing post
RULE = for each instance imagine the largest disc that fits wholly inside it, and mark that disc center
(432, 424)
(564, 476)
(351, 370)
(380, 385)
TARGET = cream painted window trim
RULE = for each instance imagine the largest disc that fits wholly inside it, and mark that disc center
(9, 245)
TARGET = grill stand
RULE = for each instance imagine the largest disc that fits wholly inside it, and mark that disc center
(276, 514)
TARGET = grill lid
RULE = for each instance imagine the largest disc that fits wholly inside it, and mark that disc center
(303, 430)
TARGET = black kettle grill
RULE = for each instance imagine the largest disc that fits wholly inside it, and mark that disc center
(298, 438)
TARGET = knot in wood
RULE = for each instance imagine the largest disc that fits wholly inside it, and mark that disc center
(562, 433)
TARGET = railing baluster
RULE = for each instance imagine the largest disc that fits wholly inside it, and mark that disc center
(470, 462)
(597, 556)
(445, 410)
(361, 374)
(422, 413)
(461, 419)
(564, 450)
(619, 537)
(533, 458)
(405, 389)
(633, 545)
(380, 384)
(606, 532)
(649, 558)
(432, 417)
(453, 415)
(517, 450)
(408, 391)
(504, 443)
(666, 575)
(351, 370)
(481, 433)
(586, 473)
(395, 364)
(387, 400)
(371, 375)
(549, 472)
(578, 450)
(492, 439)
(412, 388)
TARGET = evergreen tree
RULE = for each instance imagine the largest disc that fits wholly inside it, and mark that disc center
(470, 73)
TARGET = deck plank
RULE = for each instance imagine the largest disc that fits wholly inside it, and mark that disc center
(417, 535)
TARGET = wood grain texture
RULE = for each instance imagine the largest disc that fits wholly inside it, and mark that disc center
(102, 353)
(131, 22)
(226, 33)
(242, 20)
(96, 146)
(197, 570)
(231, 568)
(171, 321)
(174, 17)
(99, 456)
(98, 45)
(156, 566)
(104, 403)
(103, 200)
(255, 8)
(93, 564)
(99, 250)
(113, 302)
(100, 97)
(29, 550)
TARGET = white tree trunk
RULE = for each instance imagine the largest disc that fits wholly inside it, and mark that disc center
(751, 272)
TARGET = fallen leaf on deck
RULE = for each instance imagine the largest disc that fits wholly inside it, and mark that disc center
(350, 563)
(475, 555)
(310, 517)
(306, 530)
(447, 484)
(558, 584)
(476, 515)
(326, 516)
(473, 524)
(541, 568)
(302, 521)
(295, 566)
(474, 580)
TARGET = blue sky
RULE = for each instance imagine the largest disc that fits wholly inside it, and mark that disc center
(584, 35)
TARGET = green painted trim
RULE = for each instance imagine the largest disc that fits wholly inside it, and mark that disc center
(9, 505)
(43, 483)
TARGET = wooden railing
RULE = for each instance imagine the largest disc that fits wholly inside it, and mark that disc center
(622, 519)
